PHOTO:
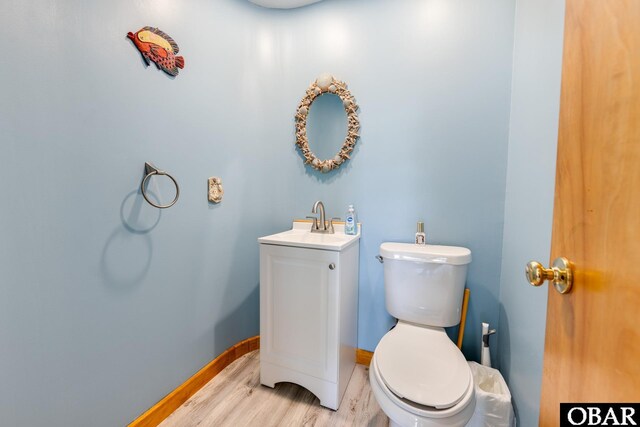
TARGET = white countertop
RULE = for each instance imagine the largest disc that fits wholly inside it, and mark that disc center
(301, 236)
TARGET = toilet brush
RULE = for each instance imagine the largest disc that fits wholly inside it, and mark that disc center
(485, 358)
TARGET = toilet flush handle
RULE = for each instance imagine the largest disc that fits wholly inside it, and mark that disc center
(380, 259)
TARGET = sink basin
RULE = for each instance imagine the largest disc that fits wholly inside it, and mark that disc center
(301, 236)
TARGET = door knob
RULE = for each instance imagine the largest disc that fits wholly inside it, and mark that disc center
(560, 273)
(332, 266)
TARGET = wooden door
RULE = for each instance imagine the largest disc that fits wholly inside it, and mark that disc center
(592, 348)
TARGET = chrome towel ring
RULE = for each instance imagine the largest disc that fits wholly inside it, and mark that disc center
(150, 171)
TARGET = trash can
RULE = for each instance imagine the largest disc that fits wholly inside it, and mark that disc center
(493, 399)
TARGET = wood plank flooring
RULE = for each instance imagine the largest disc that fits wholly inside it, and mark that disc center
(236, 398)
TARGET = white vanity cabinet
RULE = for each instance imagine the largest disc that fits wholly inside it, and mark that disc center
(308, 316)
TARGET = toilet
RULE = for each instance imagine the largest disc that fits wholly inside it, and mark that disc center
(419, 377)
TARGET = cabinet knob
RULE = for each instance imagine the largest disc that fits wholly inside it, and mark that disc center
(332, 266)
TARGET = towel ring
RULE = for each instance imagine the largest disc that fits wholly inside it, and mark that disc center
(150, 171)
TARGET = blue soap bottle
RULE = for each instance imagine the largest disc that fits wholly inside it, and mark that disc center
(350, 224)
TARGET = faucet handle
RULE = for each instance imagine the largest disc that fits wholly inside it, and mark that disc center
(314, 226)
(331, 223)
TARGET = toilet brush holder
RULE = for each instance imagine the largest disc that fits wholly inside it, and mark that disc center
(485, 355)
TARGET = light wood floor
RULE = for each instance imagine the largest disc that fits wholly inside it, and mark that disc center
(236, 398)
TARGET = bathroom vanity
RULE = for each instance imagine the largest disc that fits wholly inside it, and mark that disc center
(309, 310)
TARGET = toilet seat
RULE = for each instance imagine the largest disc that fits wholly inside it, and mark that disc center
(423, 368)
(405, 413)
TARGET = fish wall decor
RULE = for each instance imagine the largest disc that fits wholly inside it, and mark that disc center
(156, 46)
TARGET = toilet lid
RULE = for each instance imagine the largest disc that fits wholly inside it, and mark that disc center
(423, 365)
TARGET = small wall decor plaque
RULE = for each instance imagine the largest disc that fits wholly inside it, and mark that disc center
(158, 47)
(215, 189)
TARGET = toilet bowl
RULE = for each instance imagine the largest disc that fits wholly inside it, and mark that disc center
(419, 377)
(421, 383)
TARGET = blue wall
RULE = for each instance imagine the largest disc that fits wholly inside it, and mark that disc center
(433, 136)
(529, 199)
(107, 304)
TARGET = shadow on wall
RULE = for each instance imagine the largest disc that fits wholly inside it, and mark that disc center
(505, 356)
(505, 340)
(138, 219)
(479, 302)
(236, 289)
(241, 318)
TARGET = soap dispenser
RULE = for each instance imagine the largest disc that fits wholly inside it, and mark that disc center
(421, 238)
(350, 222)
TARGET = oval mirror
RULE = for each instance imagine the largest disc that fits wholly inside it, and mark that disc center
(324, 127)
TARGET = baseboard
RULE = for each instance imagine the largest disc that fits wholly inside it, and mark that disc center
(165, 407)
(363, 357)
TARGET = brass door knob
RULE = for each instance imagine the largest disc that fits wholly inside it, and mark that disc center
(560, 273)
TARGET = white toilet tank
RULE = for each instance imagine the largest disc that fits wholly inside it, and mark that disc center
(424, 284)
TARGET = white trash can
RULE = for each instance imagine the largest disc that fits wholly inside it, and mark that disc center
(493, 399)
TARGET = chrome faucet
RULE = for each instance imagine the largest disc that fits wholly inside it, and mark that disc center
(321, 221)
(321, 225)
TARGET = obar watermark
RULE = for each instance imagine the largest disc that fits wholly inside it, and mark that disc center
(599, 414)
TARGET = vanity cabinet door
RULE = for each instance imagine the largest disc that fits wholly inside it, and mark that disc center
(298, 309)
